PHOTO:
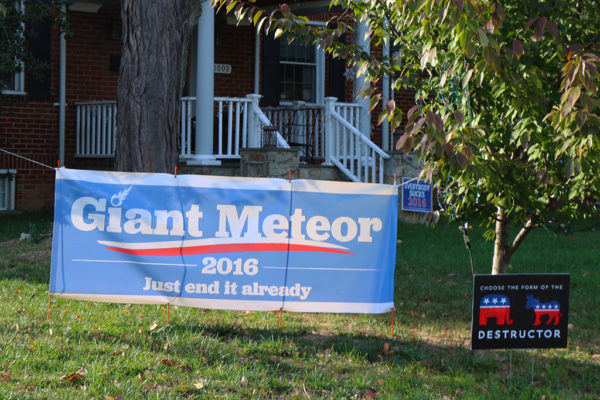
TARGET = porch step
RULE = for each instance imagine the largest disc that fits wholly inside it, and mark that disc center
(276, 163)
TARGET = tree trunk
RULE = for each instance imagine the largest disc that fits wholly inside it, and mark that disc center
(153, 61)
(503, 251)
(501, 247)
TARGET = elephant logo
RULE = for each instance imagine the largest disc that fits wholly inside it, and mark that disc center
(495, 306)
(550, 309)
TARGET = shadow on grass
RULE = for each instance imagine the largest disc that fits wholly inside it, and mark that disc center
(300, 351)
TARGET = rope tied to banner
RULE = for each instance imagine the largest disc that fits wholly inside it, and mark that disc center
(28, 159)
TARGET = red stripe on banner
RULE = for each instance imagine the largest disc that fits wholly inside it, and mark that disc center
(226, 248)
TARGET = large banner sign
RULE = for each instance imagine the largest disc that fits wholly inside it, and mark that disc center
(224, 243)
(520, 311)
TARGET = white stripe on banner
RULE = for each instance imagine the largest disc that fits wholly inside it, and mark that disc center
(238, 305)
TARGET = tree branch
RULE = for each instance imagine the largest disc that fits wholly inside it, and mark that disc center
(528, 227)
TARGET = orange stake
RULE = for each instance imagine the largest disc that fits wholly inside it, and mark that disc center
(49, 304)
(175, 171)
(392, 324)
(280, 315)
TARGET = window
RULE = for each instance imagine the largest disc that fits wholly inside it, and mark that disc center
(7, 189)
(298, 71)
(14, 83)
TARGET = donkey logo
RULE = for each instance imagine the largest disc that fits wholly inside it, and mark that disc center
(550, 309)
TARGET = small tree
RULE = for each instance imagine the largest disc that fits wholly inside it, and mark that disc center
(506, 115)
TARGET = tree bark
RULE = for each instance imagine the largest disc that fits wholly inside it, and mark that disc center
(501, 247)
(153, 61)
(503, 251)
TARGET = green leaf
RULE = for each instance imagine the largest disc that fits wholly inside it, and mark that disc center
(279, 33)
(256, 17)
(466, 78)
(230, 6)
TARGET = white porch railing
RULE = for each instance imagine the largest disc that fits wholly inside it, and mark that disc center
(240, 123)
(96, 123)
(351, 151)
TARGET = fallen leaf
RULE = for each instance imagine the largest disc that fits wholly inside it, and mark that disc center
(153, 326)
(184, 367)
(70, 378)
(168, 362)
(6, 377)
(244, 381)
(200, 384)
(386, 348)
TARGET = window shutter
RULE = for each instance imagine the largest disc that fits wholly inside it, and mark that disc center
(270, 72)
(337, 79)
(39, 47)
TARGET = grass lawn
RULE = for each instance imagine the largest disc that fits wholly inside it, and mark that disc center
(118, 351)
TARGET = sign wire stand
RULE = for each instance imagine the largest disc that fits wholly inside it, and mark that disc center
(532, 364)
(168, 309)
(392, 325)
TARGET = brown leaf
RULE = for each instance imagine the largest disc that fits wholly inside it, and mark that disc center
(517, 46)
(530, 22)
(538, 32)
(168, 362)
(390, 106)
(467, 151)
(459, 117)
(411, 111)
(461, 160)
(70, 378)
(401, 140)
(553, 29)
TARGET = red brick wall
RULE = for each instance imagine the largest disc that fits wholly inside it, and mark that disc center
(30, 128)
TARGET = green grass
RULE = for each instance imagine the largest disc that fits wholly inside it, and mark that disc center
(118, 351)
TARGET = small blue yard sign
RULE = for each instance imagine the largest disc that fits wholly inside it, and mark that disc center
(417, 195)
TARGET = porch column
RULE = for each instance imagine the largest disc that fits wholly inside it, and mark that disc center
(364, 117)
(205, 82)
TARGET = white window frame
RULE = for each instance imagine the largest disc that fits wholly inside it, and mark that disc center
(319, 71)
(18, 80)
(8, 184)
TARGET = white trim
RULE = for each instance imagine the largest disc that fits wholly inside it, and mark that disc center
(7, 179)
(18, 78)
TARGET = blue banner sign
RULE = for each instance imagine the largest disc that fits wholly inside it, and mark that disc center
(417, 195)
(224, 242)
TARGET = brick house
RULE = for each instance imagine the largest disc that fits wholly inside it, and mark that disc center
(248, 81)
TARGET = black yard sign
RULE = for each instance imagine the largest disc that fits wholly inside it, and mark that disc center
(520, 311)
